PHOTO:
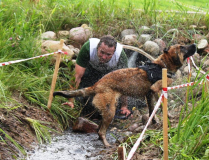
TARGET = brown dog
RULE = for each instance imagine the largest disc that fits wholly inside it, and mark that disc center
(135, 82)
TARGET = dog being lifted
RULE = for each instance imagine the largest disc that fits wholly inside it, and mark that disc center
(135, 82)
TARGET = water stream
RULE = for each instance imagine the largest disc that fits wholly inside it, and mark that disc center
(70, 146)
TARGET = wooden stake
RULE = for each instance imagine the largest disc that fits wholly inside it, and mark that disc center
(206, 85)
(54, 79)
(165, 117)
(121, 153)
(188, 79)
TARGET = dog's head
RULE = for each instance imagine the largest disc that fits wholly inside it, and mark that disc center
(176, 54)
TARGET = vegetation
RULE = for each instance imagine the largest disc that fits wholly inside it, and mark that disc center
(22, 22)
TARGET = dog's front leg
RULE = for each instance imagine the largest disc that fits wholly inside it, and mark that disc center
(150, 103)
(157, 86)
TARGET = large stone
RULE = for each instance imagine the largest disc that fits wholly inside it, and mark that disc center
(49, 35)
(63, 34)
(85, 125)
(145, 30)
(79, 35)
(144, 38)
(203, 43)
(53, 46)
(161, 44)
(130, 39)
(127, 32)
(152, 48)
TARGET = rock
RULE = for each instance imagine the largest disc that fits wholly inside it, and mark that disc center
(130, 39)
(79, 35)
(139, 129)
(178, 75)
(85, 125)
(161, 44)
(75, 50)
(133, 127)
(197, 37)
(205, 64)
(203, 43)
(145, 118)
(186, 70)
(192, 26)
(127, 32)
(54, 46)
(173, 31)
(49, 35)
(145, 30)
(196, 58)
(152, 48)
(205, 50)
(144, 38)
(203, 27)
(63, 34)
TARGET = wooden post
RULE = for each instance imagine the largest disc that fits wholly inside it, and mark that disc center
(165, 116)
(121, 153)
(54, 79)
(207, 84)
(188, 80)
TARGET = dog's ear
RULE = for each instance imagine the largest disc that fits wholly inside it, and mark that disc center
(165, 50)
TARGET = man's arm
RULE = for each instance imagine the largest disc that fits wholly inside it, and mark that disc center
(79, 72)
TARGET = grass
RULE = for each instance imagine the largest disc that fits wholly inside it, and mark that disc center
(22, 22)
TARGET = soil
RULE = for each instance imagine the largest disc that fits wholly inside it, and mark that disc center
(14, 124)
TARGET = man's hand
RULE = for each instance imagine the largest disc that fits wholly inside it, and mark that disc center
(126, 111)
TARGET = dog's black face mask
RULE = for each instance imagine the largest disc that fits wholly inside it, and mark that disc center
(189, 50)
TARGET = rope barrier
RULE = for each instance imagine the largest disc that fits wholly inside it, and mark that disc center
(22, 60)
(131, 153)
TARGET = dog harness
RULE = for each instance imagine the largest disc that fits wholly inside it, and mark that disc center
(154, 71)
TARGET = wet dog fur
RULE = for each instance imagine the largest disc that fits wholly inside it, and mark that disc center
(130, 82)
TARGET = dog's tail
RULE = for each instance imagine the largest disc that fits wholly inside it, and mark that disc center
(75, 93)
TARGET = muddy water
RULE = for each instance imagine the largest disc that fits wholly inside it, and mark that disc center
(70, 146)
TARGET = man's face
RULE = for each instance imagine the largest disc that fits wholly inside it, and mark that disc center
(105, 53)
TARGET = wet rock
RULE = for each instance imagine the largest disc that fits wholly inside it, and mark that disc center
(128, 32)
(85, 125)
(130, 39)
(144, 38)
(152, 48)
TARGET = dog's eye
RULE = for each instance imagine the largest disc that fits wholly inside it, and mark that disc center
(183, 49)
